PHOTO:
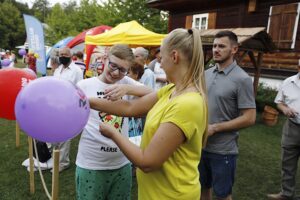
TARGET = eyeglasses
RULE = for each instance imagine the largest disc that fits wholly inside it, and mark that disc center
(114, 67)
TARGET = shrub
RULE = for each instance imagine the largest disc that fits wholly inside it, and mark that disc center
(265, 96)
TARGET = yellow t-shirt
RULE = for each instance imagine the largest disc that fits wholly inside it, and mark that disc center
(178, 177)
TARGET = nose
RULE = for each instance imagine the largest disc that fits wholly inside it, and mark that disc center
(216, 49)
(116, 72)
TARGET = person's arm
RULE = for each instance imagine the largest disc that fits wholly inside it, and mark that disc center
(117, 91)
(161, 79)
(286, 110)
(165, 141)
(134, 108)
(247, 118)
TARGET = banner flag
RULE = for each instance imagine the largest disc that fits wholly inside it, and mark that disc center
(35, 38)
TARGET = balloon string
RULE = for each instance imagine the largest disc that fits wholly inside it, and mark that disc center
(40, 171)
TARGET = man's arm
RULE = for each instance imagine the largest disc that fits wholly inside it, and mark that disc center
(287, 111)
(246, 119)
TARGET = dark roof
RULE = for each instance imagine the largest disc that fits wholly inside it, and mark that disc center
(182, 6)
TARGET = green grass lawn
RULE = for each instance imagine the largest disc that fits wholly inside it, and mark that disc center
(258, 171)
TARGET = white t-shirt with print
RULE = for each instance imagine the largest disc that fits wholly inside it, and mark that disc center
(96, 152)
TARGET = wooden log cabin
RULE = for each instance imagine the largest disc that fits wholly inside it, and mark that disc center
(279, 17)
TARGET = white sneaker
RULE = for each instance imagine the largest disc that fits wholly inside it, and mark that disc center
(43, 166)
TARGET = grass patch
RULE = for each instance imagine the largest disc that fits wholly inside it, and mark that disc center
(258, 171)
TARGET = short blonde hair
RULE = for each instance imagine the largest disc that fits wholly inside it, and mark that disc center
(122, 51)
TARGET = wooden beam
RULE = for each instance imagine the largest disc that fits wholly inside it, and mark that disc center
(252, 6)
(257, 67)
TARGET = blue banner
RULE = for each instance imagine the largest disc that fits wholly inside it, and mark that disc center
(35, 38)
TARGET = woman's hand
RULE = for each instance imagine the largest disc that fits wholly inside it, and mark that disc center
(116, 92)
(107, 130)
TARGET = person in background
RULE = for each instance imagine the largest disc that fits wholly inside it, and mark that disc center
(30, 60)
(288, 102)
(160, 75)
(136, 71)
(79, 61)
(67, 70)
(102, 171)
(176, 123)
(231, 106)
(12, 59)
(136, 125)
(7, 54)
(54, 60)
(141, 56)
(156, 59)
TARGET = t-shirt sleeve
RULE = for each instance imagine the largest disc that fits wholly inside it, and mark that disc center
(279, 97)
(185, 115)
(81, 85)
(246, 94)
(130, 81)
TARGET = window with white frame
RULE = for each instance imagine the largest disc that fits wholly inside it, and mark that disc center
(200, 21)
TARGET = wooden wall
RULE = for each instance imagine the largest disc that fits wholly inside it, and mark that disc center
(237, 15)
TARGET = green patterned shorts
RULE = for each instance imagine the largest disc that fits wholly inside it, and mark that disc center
(104, 184)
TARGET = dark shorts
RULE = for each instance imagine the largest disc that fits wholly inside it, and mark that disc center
(217, 171)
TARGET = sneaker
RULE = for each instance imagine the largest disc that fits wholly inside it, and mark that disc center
(278, 196)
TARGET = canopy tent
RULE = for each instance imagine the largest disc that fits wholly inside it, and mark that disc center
(79, 39)
(131, 33)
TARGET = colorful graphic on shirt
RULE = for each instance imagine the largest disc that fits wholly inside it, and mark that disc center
(114, 120)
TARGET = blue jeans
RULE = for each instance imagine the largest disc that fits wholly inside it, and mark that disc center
(217, 171)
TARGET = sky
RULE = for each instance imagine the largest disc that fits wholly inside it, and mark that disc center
(52, 2)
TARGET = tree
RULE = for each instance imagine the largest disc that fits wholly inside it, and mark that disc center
(116, 11)
(59, 25)
(12, 27)
(88, 15)
(41, 9)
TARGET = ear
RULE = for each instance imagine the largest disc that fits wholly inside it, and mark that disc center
(175, 56)
(234, 49)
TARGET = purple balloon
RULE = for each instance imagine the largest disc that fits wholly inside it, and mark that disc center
(5, 62)
(22, 52)
(51, 109)
(30, 71)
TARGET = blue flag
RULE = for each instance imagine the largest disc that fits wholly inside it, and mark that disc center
(35, 38)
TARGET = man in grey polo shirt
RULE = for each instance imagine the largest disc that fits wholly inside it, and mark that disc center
(288, 101)
(231, 106)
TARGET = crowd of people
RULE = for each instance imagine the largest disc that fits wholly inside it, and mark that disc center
(8, 55)
(186, 118)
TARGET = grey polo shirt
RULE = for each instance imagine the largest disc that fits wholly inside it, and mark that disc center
(228, 91)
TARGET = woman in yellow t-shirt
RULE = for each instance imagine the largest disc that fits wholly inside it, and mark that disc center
(176, 123)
